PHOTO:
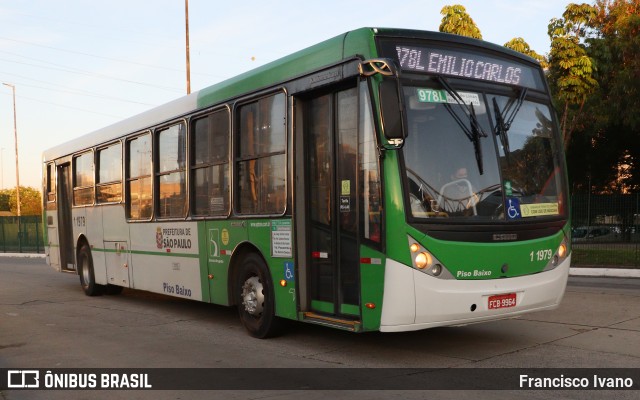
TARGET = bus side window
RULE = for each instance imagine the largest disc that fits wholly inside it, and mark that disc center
(83, 179)
(51, 183)
(139, 200)
(170, 172)
(210, 168)
(109, 185)
(261, 160)
(370, 191)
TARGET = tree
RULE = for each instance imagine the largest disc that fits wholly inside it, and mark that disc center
(604, 150)
(5, 195)
(30, 201)
(520, 45)
(456, 20)
(570, 68)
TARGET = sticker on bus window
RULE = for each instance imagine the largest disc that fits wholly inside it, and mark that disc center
(281, 238)
(345, 204)
(508, 190)
(539, 209)
(513, 208)
(346, 188)
(441, 96)
(288, 271)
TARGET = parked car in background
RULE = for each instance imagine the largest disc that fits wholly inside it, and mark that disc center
(597, 233)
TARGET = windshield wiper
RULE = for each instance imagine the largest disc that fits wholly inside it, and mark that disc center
(474, 132)
(504, 124)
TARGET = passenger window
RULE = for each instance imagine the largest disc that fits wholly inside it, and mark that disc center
(109, 185)
(51, 183)
(83, 179)
(210, 169)
(170, 172)
(139, 199)
(261, 163)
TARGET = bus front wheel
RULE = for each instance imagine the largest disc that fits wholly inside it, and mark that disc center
(87, 275)
(255, 298)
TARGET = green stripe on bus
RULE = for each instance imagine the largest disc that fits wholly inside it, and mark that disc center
(148, 253)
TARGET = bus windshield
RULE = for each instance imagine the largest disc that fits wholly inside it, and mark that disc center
(506, 168)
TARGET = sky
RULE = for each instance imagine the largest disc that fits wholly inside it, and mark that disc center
(80, 65)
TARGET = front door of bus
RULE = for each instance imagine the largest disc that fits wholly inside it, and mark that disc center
(330, 136)
(65, 228)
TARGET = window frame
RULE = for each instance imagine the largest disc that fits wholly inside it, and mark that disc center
(193, 167)
(127, 178)
(237, 159)
(51, 182)
(157, 174)
(74, 186)
(99, 184)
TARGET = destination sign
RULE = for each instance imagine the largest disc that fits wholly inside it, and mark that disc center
(465, 64)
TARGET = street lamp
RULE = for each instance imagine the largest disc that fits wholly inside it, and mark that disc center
(186, 22)
(15, 134)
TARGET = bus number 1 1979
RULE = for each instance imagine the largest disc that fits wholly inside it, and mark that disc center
(541, 255)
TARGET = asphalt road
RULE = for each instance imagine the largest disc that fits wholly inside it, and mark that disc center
(47, 322)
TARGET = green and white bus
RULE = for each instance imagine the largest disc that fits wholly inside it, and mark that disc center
(383, 180)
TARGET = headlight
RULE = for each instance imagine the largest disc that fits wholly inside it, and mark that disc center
(423, 260)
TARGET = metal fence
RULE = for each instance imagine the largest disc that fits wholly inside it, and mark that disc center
(606, 230)
(21, 234)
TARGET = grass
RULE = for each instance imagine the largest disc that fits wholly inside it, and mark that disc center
(606, 255)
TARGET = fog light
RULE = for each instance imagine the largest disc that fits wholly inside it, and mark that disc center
(423, 260)
(436, 270)
(555, 260)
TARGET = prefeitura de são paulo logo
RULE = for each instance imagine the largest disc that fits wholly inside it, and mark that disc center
(159, 237)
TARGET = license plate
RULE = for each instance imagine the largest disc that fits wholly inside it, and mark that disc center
(502, 301)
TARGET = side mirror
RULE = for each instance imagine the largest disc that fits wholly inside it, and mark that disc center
(392, 111)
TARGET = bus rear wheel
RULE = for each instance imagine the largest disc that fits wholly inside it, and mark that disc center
(86, 272)
(255, 298)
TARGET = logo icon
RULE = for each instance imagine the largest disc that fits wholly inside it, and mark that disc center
(214, 239)
(159, 237)
(23, 379)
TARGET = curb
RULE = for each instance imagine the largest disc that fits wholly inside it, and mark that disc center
(23, 255)
(605, 272)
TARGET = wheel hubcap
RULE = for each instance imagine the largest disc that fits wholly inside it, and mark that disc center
(253, 296)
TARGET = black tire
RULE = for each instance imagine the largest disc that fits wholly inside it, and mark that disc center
(87, 275)
(255, 298)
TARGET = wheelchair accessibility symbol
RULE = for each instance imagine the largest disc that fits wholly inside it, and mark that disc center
(513, 208)
(288, 271)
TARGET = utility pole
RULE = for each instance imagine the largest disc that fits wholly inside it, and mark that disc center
(15, 134)
(186, 19)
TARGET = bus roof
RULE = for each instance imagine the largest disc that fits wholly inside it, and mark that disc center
(350, 44)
